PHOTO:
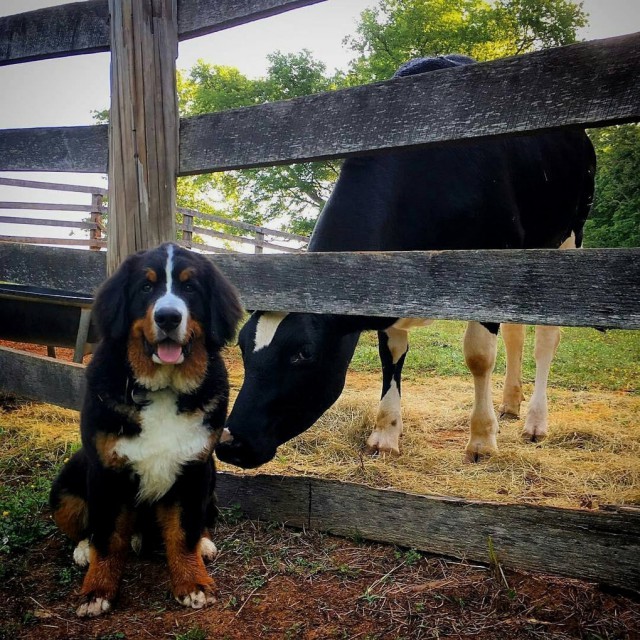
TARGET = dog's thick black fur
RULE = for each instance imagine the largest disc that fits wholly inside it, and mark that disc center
(155, 403)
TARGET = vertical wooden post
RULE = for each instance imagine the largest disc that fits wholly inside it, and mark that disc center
(143, 126)
(187, 229)
(260, 239)
(96, 218)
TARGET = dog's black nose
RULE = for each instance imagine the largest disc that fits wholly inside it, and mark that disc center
(167, 319)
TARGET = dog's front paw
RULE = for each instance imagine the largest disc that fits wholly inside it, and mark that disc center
(198, 597)
(93, 607)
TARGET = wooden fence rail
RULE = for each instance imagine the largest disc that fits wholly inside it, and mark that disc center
(591, 84)
(83, 27)
(541, 286)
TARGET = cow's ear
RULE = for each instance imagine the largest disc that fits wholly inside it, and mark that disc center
(110, 309)
(353, 324)
(224, 306)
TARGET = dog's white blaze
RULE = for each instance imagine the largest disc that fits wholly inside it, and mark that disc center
(171, 301)
(167, 441)
(266, 328)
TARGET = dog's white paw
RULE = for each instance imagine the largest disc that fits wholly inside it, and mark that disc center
(196, 599)
(95, 607)
(208, 549)
(81, 553)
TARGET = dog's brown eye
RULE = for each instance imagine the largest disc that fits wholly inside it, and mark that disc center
(147, 288)
(188, 287)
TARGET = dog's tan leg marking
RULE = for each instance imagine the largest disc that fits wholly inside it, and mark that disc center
(102, 580)
(191, 584)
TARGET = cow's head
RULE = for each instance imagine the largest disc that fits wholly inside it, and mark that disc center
(295, 367)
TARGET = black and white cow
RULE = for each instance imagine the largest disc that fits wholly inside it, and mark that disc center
(525, 192)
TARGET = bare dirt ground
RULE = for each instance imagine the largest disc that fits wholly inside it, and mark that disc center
(275, 582)
(278, 583)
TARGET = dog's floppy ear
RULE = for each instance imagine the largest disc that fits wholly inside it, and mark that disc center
(224, 305)
(110, 311)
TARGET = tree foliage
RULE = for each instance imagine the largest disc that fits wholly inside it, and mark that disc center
(615, 216)
(397, 30)
(387, 36)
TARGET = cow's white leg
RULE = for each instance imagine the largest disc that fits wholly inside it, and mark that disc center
(513, 336)
(480, 356)
(547, 341)
(393, 345)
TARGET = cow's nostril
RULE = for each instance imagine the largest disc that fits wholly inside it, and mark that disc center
(167, 319)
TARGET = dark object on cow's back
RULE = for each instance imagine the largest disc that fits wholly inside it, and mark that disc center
(155, 404)
(532, 191)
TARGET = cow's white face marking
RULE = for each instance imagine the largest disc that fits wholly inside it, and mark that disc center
(266, 328)
(169, 300)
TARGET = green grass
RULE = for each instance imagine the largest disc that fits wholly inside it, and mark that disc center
(586, 358)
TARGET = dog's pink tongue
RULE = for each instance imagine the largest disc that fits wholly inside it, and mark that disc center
(169, 352)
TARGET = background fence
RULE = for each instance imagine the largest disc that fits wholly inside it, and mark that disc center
(257, 237)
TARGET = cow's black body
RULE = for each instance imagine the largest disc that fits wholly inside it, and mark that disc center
(524, 192)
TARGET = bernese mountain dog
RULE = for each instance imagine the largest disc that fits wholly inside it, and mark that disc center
(155, 404)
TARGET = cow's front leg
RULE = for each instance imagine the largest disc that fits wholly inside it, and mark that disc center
(536, 424)
(181, 516)
(393, 345)
(513, 336)
(480, 355)
(111, 524)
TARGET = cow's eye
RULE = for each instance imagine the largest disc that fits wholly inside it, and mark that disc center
(304, 355)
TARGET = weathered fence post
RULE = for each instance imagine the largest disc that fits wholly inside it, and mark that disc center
(143, 126)
(187, 229)
(259, 247)
(96, 218)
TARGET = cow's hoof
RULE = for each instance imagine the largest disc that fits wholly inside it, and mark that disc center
(480, 451)
(196, 599)
(383, 443)
(509, 412)
(534, 432)
(93, 608)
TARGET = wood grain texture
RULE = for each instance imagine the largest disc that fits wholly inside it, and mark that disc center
(598, 546)
(83, 27)
(74, 28)
(71, 242)
(198, 17)
(77, 149)
(523, 286)
(55, 268)
(530, 286)
(143, 126)
(41, 379)
(592, 84)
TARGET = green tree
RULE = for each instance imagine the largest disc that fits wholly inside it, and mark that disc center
(615, 216)
(290, 195)
(398, 30)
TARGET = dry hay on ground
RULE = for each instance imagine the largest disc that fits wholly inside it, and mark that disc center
(591, 456)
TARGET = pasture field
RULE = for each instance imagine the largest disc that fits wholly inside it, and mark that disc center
(278, 583)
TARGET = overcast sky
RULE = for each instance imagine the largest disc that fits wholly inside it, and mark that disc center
(64, 91)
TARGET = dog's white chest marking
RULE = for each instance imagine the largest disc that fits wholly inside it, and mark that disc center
(167, 441)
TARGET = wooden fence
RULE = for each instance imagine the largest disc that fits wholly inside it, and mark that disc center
(248, 234)
(587, 84)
